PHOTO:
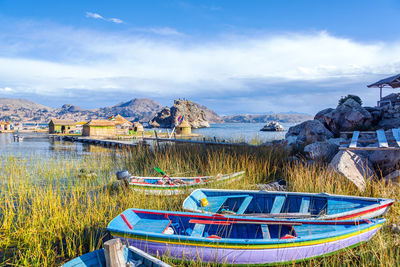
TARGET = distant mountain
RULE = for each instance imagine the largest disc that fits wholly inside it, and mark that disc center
(279, 117)
(16, 109)
(142, 109)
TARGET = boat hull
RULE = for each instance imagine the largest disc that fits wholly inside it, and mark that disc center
(154, 189)
(298, 205)
(272, 255)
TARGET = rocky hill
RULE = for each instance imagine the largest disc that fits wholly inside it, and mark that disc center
(19, 109)
(142, 109)
(194, 114)
(291, 118)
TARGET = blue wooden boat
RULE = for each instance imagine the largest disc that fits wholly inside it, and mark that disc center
(237, 240)
(131, 254)
(285, 204)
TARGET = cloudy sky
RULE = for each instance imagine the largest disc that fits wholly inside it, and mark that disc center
(235, 57)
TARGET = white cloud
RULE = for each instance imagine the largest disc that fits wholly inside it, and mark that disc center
(94, 15)
(6, 90)
(98, 16)
(275, 67)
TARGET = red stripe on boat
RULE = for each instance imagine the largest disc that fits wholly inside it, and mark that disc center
(126, 221)
(230, 219)
(210, 222)
(362, 212)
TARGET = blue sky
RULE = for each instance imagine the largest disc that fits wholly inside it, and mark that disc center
(232, 56)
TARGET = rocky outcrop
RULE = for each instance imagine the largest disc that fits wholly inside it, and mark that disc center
(348, 116)
(321, 151)
(393, 177)
(272, 126)
(354, 167)
(168, 117)
(307, 132)
(211, 116)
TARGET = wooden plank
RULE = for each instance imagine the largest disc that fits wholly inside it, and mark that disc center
(396, 135)
(278, 204)
(369, 148)
(198, 230)
(354, 139)
(265, 231)
(113, 252)
(244, 205)
(382, 138)
(305, 205)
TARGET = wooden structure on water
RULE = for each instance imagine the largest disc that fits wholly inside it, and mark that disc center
(372, 140)
(122, 125)
(99, 128)
(61, 126)
(6, 127)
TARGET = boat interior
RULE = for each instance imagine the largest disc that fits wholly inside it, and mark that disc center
(256, 203)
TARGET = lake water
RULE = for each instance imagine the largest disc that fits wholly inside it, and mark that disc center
(50, 148)
(242, 131)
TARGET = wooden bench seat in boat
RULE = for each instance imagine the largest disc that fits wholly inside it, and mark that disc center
(150, 225)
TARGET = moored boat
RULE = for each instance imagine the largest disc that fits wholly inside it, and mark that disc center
(285, 204)
(237, 240)
(176, 185)
(133, 255)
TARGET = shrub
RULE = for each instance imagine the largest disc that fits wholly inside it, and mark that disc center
(354, 97)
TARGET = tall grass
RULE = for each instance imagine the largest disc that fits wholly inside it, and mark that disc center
(52, 211)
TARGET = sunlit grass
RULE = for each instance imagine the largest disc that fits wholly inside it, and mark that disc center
(54, 210)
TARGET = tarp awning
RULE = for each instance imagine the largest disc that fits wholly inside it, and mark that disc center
(393, 82)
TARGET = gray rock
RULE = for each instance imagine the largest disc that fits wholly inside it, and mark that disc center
(393, 177)
(389, 123)
(320, 116)
(385, 161)
(376, 113)
(273, 126)
(348, 116)
(321, 151)
(352, 166)
(307, 132)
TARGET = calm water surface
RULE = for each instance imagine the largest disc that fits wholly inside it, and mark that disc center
(40, 144)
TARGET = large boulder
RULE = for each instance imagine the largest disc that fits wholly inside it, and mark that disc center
(307, 132)
(321, 151)
(352, 166)
(385, 161)
(376, 113)
(320, 116)
(348, 116)
(194, 115)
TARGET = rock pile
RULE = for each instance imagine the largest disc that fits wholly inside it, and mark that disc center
(319, 140)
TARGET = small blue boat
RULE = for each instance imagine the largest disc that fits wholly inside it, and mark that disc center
(285, 204)
(237, 240)
(131, 254)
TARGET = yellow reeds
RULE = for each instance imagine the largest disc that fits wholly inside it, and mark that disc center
(51, 210)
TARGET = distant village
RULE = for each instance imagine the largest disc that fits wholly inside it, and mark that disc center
(114, 126)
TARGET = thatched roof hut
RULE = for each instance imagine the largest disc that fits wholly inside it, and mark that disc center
(99, 128)
(184, 128)
(122, 122)
(137, 127)
(61, 126)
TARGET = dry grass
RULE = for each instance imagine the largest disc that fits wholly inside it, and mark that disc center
(51, 213)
